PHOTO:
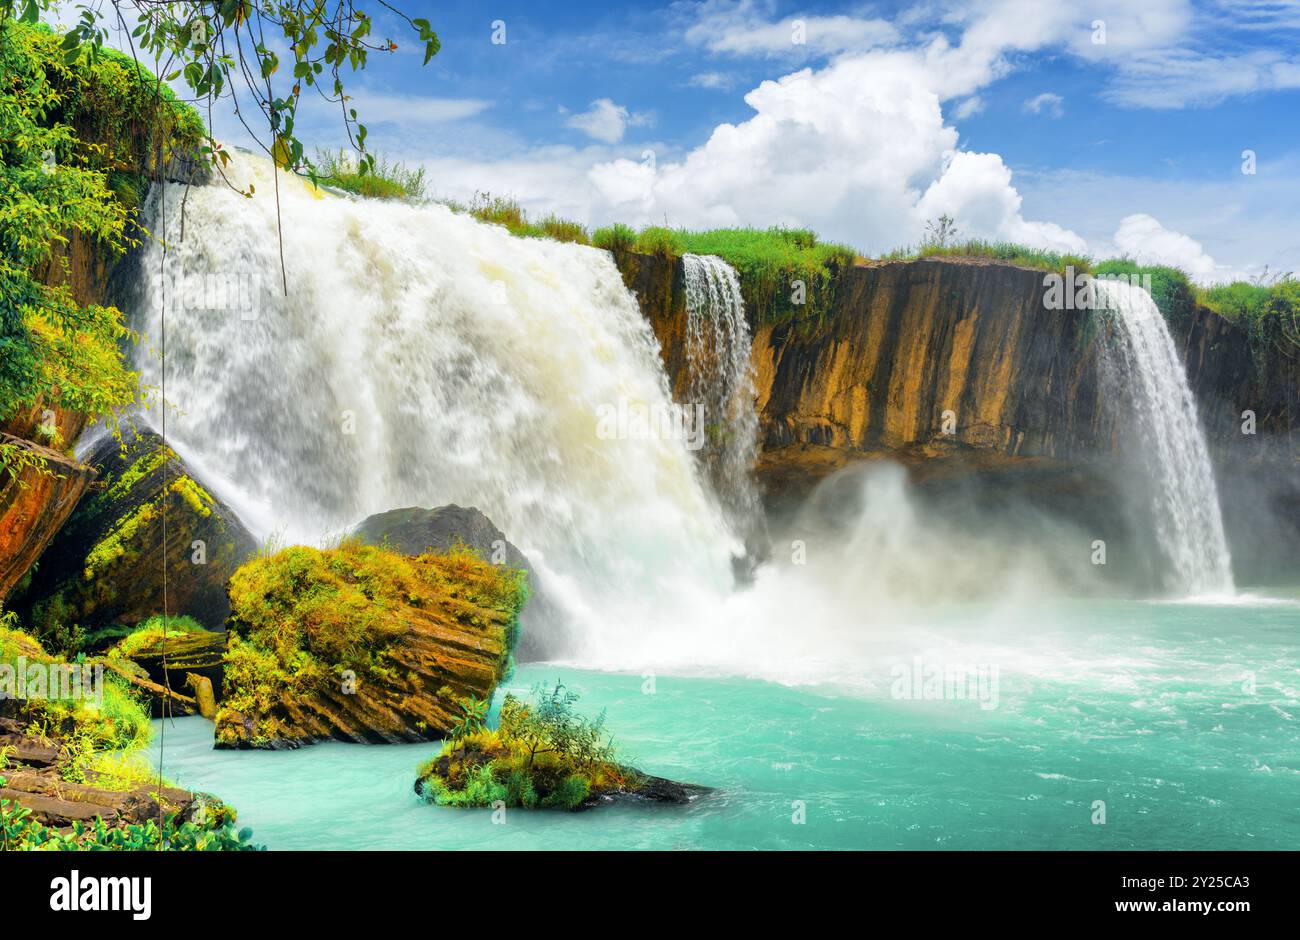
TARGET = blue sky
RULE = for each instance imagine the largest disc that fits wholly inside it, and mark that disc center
(1008, 114)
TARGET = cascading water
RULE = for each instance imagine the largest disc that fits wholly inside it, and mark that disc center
(720, 379)
(422, 358)
(1189, 524)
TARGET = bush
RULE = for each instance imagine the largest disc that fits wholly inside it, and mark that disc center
(1170, 288)
(66, 135)
(542, 754)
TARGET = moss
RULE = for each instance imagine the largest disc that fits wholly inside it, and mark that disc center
(304, 620)
(195, 496)
(117, 543)
(150, 635)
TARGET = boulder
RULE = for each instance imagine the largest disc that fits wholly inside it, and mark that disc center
(362, 644)
(34, 504)
(414, 531)
(103, 568)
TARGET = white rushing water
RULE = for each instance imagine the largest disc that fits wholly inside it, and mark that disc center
(423, 358)
(721, 380)
(1189, 523)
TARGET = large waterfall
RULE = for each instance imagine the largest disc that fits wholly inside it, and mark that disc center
(1189, 524)
(720, 378)
(422, 358)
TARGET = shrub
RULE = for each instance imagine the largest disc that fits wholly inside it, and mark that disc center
(542, 754)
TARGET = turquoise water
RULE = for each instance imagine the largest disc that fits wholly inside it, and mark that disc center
(1183, 719)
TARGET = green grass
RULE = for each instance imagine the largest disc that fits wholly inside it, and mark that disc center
(510, 215)
(770, 261)
(1170, 288)
(1008, 252)
(1269, 313)
(386, 181)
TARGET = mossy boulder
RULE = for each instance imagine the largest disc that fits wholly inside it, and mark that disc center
(415, 531)
(104, 566)
(362, 644)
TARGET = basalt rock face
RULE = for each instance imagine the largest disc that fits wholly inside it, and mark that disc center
(959, 365)
(33, 506)
(104, 568)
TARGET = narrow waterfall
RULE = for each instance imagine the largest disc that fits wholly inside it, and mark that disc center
(1189, 524)
(421, 358)
(721, 380)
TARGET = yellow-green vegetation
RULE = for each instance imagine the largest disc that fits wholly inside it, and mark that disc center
(1268, 312)
(305, 622)
(72, 137)
(1008, 252)
(122, 537)
(19, 832)
(506, 212)
(101, 733)
(770, 262)
(615, 238)
(380, 180)
(542, 754)
(149, 636)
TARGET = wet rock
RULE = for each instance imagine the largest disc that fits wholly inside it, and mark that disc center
(34, 506)
(104, 567)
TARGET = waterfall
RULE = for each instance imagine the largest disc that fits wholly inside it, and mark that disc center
(1188, 521)
(720, 379)
(421, 358)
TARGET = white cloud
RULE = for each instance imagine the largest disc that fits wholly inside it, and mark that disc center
(374, 107)
(1142, 238)
(606, 121)
(858, 150)
(711, 80)
(1049, 103)
(968, 107)
(742, 29)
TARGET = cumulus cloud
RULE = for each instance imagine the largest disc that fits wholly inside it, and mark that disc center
(1048, 103)
(1142, 238)
(858, 150)
(606, 121)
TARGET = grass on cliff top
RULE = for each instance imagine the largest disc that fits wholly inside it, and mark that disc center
(771, 263)
(305, 616)
(542, 754)
(1008, 252)
(386, 181)
(510, 215)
